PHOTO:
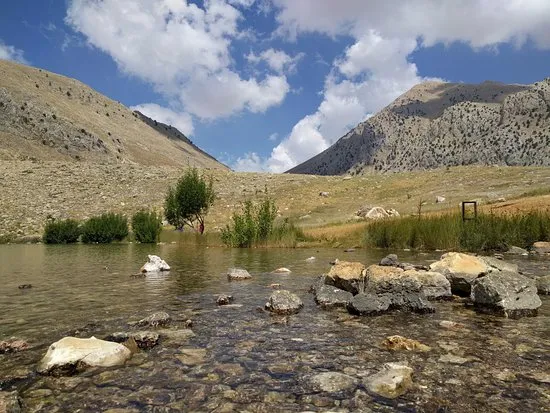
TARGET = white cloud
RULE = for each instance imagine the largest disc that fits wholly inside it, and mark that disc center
(11, 53)
(182, 121)
(181, 48)
(273, 137)
(250, 162)
(375, 69)
(277, 60)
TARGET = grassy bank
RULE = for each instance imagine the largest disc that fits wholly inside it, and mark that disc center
(489, 232)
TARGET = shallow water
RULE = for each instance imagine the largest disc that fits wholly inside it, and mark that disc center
(252, 361)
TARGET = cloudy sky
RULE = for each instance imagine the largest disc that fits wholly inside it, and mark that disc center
(266, 84)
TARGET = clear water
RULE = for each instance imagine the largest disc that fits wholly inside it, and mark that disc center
(253, 361)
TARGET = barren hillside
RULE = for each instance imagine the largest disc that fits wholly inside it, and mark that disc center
(444, 124)
(45, 116)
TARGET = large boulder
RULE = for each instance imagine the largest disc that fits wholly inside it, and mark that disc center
(238, 274)
(507, 294)
(541, 247)
(543, 285)
(434, 284)
(391, 382)
(330, 296)
(155, 264)
(71, 354)
(284, 302)
(461, 270)
(348, 276)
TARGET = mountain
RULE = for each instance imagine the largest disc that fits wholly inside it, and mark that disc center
(446, 124)
(46, 116)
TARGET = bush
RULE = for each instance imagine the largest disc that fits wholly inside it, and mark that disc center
(61, 232)
(105, 228)
(146, 226)
(189, 200)
(488, 232)
(252, 226)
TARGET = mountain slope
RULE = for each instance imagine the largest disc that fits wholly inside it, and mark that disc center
(444, 124)
(46, 116)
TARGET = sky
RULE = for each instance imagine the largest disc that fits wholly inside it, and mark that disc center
(264, 85)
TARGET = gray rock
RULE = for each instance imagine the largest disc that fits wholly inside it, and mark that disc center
(237, 274)
(160, 318)
(434, 285)
(144, 339)
(330, 296)
(369, 304)
(541, 248)
(284, 302)
(495, 264)
(507, 294)
(461, 270)
(224, 299)
(390, 260)
(517, 251)
(348, 276)
(332, 381)
(543, 285)
(391, 382)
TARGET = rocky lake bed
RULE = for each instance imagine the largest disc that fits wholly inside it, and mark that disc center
(195, 338)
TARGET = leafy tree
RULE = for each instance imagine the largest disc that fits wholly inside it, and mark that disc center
(189, 200)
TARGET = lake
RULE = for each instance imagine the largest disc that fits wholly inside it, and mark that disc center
(241, 358)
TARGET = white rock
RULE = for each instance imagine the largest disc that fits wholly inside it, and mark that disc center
(310, 259)
(155, 264)
(90, 351)
(282, 270)
(439, 199)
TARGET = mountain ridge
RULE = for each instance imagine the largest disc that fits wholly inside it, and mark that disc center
(437, 124)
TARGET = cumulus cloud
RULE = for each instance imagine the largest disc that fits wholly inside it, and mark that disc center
(376, 69)
(250, 162)
(181, 48)
(182, 121)
(277, 60)
(8, 52)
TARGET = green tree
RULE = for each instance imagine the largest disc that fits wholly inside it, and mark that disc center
(189, 200)
(146, 226)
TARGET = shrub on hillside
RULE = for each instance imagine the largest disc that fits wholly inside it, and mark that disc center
(146, 226)
(61, 232)
(105, 228)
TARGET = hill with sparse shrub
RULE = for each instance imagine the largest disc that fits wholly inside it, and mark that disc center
(439, 124)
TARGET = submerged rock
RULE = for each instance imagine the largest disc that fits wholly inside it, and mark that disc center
(13, 346)
(144, 339)
(238, 274)
(155, 264)
(330, 296)
(391, 382)
(160, 318)
(332, 381)
(311, 259)
(461, 270)
(224, 299)
(403, 343)
(70, 354)
(284, 302)
(347, 276)
(543, 285)
(507, 294)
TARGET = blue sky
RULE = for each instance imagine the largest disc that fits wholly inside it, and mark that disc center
(266, 84)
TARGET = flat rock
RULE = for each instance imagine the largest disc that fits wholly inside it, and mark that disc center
(517, 251)
(461, 270)
(144, 339)
(192, 356)
(238, 274)
(330, 296)
(347, 276)
(543, 285)
(507, 294)
(155, 264)
(402, 343)
(176, 335)
(284, 302)
(454, 359)
(157, 319)
(495, 265)
(72, 353)
(392, 381)
(332, 381)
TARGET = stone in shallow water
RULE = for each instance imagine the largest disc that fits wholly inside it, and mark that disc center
(9, 402)
(157, 319)
(70, 353)
(155, 264)
(237, 274)
(389, 260)
(282, 270)
(454, 359)
(452, 325)
(329, 296)
(144, 339)
(13, 346)
(192, 356)
(284, 302)
(543, 285)
(434, 285)
(507, 294)
(391, 382)
(224, 299)
(347, 276)
(402, 343)
(332, 381)
(461, 270)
